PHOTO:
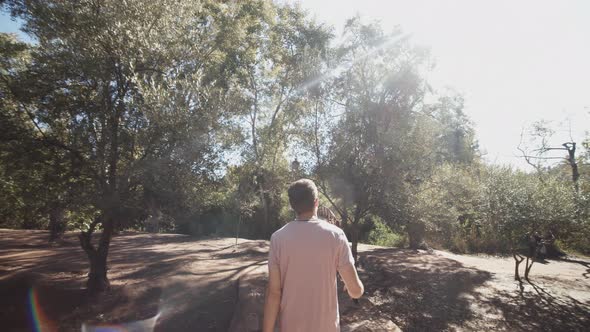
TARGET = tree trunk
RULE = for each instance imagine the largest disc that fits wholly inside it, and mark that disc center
(354, 233)
(571, 149)
(528, 267)
(416, 230)
(28, 221)
(516, 263)
(153, 221)
(97, 257)
(56, 223)
(264, 204)
(97, 277)
(354, 238)
(260, 185)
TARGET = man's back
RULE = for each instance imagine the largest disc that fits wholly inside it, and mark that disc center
(308, 255)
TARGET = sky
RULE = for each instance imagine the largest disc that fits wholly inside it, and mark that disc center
(516, 62)
(7, 24)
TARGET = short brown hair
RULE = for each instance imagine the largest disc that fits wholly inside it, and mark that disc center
(302, 195)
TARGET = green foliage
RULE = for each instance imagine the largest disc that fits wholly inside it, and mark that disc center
(493, 209)
(382, 235)
(448, 203)
(124, 98)
(375, 138)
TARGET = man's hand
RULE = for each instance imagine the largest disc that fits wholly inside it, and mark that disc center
(352, 283)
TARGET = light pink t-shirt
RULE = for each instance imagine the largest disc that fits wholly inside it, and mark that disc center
(308, 254)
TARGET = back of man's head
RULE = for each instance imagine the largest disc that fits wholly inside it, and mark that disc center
(303, 195)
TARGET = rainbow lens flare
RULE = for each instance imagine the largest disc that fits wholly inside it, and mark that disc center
(37, 316)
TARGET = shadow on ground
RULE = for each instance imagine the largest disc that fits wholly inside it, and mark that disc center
(533, 308)
(417, 291)
(190, 283)
(585, 264)
(425, 292)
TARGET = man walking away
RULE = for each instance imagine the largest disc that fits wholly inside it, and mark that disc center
(304, 257)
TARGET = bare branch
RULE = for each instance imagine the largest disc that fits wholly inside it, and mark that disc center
(324, 191)
(524, 154)
(336, 102)
(534, 157)
(548, 149)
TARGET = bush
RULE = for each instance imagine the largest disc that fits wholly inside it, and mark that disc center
(382, 235)
(491, 209)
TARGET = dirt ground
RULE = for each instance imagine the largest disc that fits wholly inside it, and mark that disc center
(190, 285)
(440, 291)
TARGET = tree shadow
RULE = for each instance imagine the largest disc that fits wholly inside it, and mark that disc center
(425, 292)
(190, 283)
(537, 309)
(581, 262)
(417, 291)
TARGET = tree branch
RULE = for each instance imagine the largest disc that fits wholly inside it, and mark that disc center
(534, 157)
(323, 190)
(524, 154)
(54, 142)
(86, 236)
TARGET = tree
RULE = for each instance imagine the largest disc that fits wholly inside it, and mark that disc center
(16, 207)
(273, 97)
(36, 183)
(124, 86)
(374, 90)
(449, 204)
(540, 135)
(538, 151)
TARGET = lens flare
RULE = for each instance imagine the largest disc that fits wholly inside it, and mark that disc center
(387, 42)
(37, 316)
(145, 325)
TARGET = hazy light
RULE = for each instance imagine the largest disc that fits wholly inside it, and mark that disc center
(344, 66)
(516, 62)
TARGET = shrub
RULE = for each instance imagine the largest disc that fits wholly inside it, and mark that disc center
(382, 235)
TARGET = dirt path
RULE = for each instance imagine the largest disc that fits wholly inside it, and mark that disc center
(569, 277)
(440, 291)
(191, 285)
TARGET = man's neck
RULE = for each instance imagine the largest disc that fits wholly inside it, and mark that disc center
(306, 216)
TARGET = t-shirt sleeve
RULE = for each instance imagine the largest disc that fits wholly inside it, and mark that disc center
(344, 254)
(273, 253)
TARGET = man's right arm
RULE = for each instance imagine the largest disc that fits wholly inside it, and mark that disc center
(347, 271)
(353, 284)
(272, 302)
